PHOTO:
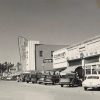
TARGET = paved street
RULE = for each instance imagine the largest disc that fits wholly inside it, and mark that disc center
(10, 90)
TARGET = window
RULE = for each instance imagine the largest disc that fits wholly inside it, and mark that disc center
(52, 53)
(88, 71)
(94, 71)
(41, 53)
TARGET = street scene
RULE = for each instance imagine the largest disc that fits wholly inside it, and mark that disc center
(49, 49)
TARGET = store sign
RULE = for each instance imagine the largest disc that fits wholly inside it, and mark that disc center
(47, 61)
(60, 55)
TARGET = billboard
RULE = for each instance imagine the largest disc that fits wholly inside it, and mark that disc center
(60, 58)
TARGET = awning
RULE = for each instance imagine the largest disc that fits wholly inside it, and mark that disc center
(58, 69)
(68, 70)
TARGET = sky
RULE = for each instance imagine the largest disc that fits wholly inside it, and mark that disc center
(48, 21)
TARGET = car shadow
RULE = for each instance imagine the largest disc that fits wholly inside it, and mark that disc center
(94, 89)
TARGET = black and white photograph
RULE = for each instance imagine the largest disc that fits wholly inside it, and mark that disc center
(49, 49)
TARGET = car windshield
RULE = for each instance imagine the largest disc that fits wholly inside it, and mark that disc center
(93, 77)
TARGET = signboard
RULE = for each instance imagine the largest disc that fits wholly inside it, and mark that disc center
(60, 58)
(47, 61)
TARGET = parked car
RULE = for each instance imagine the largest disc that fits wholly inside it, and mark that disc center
(3, 77)
(34, 78)
(51, 79)
(91, 81)
(70, 79)
(22, 77)
(28, 78)
(41, 79)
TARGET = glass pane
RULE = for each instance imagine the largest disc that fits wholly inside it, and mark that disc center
(88, 71)
(94, 71)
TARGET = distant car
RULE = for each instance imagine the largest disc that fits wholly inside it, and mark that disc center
(27, 78)
(91, 81)
(22, 77)
(9, 78)
(70, 79)
(3, 77)
(34, 78)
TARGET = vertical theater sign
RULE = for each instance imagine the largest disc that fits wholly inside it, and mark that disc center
(22, 43)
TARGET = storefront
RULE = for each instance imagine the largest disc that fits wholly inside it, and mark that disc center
(91, 65)
(83, 58)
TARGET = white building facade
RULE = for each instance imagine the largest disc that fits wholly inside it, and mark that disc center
(30, 59)
(83, 56)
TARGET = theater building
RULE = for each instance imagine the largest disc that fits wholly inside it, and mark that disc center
(83, 57)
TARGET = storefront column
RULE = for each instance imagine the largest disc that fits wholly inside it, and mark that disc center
(83, 65)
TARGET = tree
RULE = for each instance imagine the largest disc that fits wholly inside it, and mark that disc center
(5, 67)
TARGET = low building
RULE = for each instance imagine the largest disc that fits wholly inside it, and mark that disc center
(83, 57)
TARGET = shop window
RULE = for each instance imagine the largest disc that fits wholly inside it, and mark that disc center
(41, 53)
(88, 71)
(94, 71)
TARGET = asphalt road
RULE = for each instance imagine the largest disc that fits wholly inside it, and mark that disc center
(11, 90)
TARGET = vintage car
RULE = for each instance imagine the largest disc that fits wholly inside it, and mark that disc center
(91, 81)
(22, 77)
(51, 79)
(41, 79)
(28, 78)
(34, 78)
(70, 79)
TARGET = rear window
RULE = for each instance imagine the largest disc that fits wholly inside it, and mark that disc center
(93, 77)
